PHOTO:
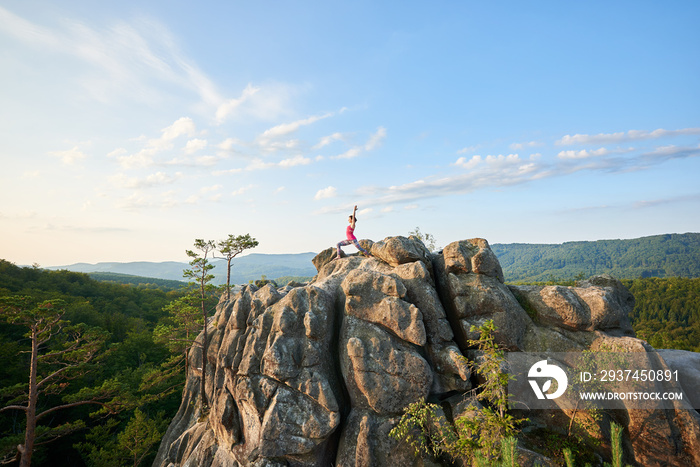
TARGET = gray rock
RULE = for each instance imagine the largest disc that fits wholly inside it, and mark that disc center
(319, 374)
(687, 364)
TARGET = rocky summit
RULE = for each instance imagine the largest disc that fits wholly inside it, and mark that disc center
(319, 374)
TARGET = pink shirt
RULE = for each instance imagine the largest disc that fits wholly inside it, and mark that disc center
(349, 232)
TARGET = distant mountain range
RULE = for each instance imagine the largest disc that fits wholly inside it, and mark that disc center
(670, 255)
(244, 269)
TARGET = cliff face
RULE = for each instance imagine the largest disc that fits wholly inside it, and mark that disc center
(318, 375)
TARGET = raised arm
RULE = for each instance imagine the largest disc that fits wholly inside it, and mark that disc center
(354, 211)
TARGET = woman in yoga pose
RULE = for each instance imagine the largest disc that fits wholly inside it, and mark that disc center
(350, 234)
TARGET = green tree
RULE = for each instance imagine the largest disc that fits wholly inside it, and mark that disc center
(59, 352)
(201, 279)
(232, 247)
(179, 333)
(427, 239)
(477, 437)
(131, 446)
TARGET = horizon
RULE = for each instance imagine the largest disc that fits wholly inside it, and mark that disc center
(243, 255)
(130, 130)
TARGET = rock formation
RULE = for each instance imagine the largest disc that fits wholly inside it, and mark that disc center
(317, 375)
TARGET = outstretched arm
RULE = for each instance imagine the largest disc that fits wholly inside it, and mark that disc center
(354, 211)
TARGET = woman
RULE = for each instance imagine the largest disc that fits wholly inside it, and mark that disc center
(350, 234)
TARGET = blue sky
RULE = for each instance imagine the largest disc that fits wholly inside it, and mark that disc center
(129, 129)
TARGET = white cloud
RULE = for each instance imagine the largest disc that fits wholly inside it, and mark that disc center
(287, 128)
(477, 160)
(468, 164)
(242, 190)
(349, 154)
(143, 158)
(294, 161)
(117, 152)
(376, 139)
(195, 145)
(123, 60)
(226, 108)
(521, 146)
(632, 135)
(259, 164)
(582, 154)
(229, 143)
(206, 161)
(208, 189)
(69, 156)
(373, 142)
(183, 126)
(153, 180)
(467, 149)
(326, 140)
(325, 193)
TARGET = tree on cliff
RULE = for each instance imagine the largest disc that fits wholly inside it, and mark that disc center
(232, 247)
(178, 332)
(199, 274)
(59, 352)
(427, 239)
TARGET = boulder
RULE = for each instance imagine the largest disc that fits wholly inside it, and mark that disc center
(400, 250)
(318, 374)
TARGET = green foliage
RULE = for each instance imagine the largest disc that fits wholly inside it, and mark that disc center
(127, 314)
(232, 247)
(425, 429)
(568, 457)
(60, 353)
(427, 239)
(672, 255)
(139, 281)
(200, 277)
(616, 445)
(284, 280)
(262, 282)
(667, 312)
(105, 446)
(478, 436)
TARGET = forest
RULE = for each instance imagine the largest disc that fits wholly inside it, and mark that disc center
(134, 370)
(139, 372)
(669, 255)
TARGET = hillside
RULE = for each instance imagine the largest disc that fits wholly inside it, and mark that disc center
(670, 255)
(245, 268)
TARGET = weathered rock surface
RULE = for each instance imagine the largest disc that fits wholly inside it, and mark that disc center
(319, 374)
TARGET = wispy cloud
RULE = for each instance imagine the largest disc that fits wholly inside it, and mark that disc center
(632, 135)
(372, 143)
(226, 108)
(499, 171)
(260, 164)
(284, 129)
(69, 156)
(183, 126)
(242, 190)
(521, 146)
(150, 181)
(327, 140)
